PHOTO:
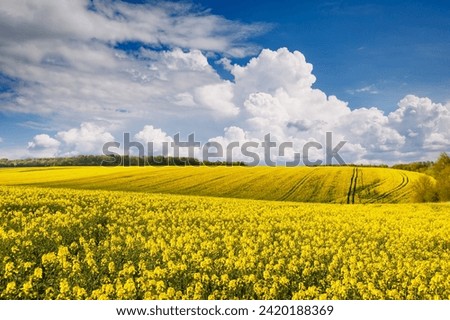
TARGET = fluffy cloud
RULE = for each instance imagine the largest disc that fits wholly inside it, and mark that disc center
(151, 134)
(43, 141)
(423, 123)
(293, 73)
(232, 135)
(88, 138)
(43, 146)
(155, 136)
(276, 89)
(217, 97)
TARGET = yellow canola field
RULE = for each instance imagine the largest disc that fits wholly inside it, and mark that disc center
(301, 184)
(78, 244)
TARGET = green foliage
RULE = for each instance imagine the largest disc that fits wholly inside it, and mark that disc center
(443, 184)
(427, 191)
(441, 164)
(441, 171)
(422, 166)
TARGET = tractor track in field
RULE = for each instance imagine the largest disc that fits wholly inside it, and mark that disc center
(403, 184)
(352, 188)
(296, 186)
(355, 184)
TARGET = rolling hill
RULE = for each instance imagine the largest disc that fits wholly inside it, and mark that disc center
(300, 184)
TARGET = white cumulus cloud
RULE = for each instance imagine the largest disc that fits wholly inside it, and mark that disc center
(157, 137)
(88, 138)
(425, 125)
(43, 145)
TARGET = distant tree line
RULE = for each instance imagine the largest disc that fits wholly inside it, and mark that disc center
(359, 165)
(113, 160)
(421, 166)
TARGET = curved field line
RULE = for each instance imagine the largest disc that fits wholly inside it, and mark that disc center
(403, 184)
(402, 194)
(296, 186)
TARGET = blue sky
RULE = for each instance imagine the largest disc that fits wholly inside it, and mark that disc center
(74, 74)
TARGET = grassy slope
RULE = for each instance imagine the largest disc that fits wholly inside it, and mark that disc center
(322, 184)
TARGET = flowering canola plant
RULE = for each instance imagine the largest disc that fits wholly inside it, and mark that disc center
(79, 244)
(302, 184)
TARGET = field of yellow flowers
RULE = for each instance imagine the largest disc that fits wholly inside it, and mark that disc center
(80, 244)
(300, 184)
